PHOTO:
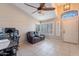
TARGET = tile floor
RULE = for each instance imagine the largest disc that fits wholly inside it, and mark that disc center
(49, 47)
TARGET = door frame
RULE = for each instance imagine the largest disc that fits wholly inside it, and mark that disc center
(62, 25)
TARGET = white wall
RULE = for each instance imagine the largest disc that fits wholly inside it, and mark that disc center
(11, 16)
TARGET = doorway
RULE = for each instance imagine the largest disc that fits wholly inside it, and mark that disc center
(70, 26)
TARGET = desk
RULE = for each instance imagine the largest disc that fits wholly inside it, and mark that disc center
(11, 50)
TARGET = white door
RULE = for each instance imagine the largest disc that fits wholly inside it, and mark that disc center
(70, 29)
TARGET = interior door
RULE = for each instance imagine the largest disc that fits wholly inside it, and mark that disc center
(70, 29)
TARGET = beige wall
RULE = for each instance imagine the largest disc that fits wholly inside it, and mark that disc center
(10, 16)
(60, 8)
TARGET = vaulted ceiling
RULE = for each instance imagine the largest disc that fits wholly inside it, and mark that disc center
(39, 16)
(45, 15)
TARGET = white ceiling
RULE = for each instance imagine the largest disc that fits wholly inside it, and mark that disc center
(44, 16)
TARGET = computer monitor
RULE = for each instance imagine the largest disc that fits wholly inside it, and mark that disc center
(9, 30)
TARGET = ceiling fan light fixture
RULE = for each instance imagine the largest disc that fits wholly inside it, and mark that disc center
(41, 8)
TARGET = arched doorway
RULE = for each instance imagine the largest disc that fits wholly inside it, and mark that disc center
(70, 26)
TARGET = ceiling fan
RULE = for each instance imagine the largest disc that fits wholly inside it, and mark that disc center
(41, 8)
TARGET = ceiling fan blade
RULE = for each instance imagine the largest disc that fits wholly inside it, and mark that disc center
(30, 5)
(48, 9)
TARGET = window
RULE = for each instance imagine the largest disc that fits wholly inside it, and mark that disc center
(38, 28)
(69, 14)
(49, 28)
(45, 28)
